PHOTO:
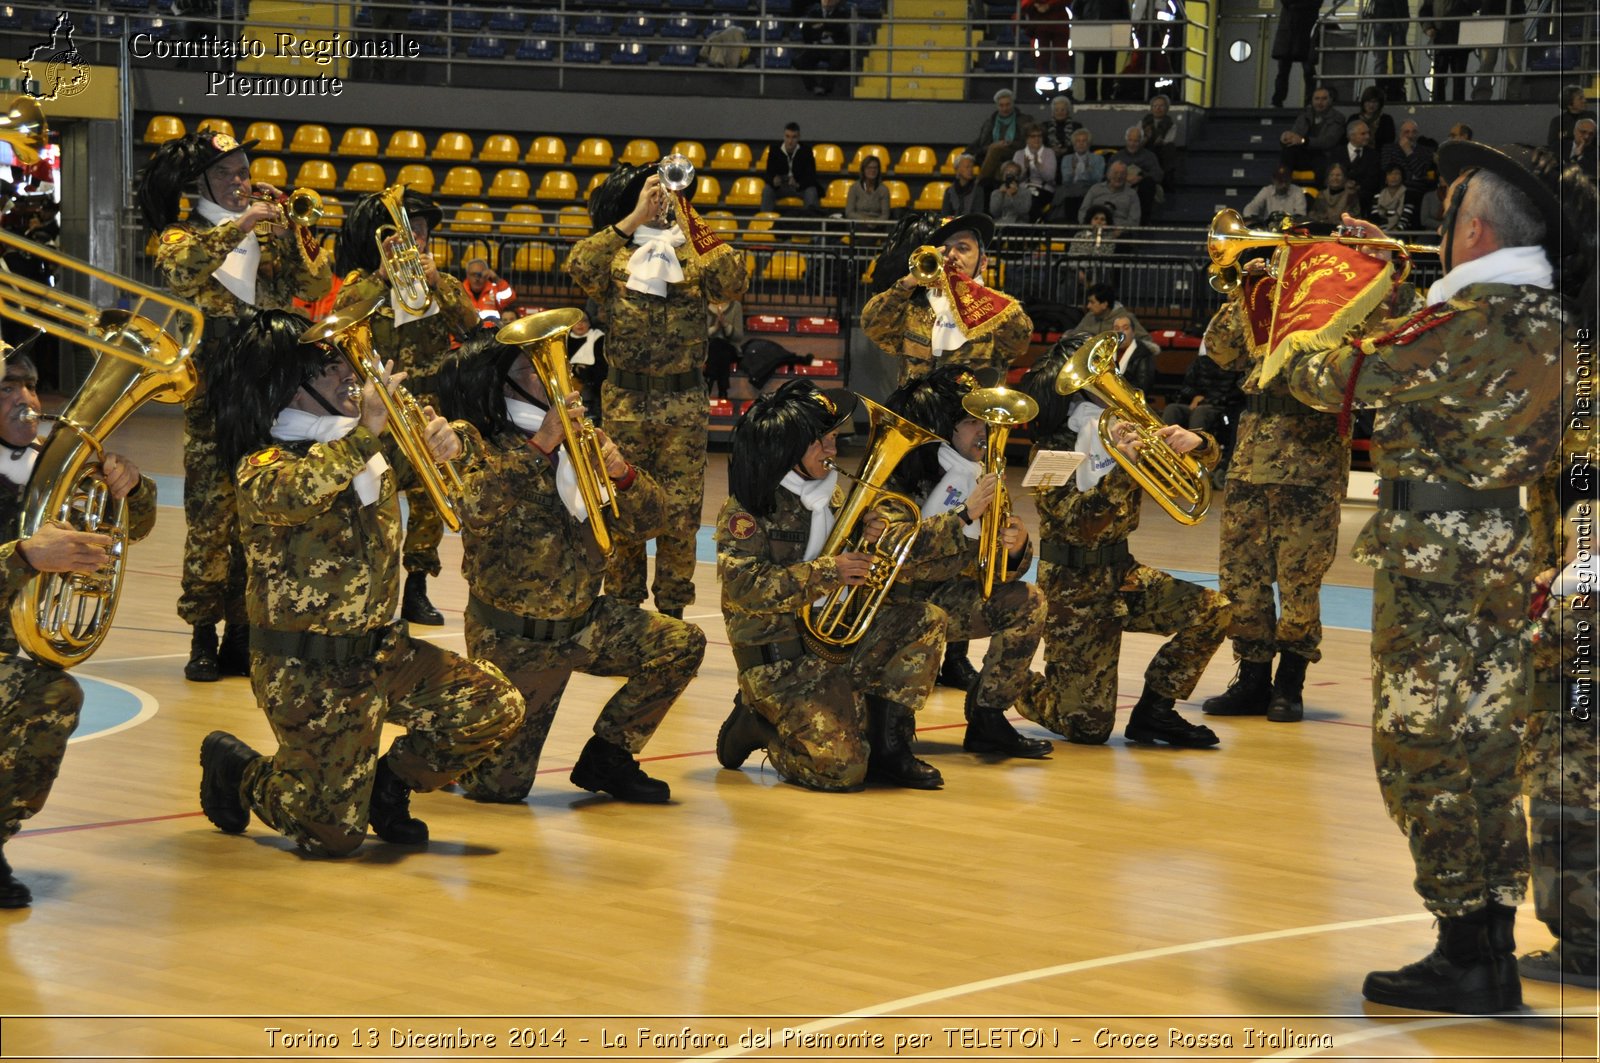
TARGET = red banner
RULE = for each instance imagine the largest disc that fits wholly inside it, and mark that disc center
(1259, 294)
(703, 239)
(1324, 290)
(980, 310)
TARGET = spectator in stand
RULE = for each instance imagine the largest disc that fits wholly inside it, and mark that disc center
(489, 292)
(1339, 197)
(1280, 197)
(868, 198)
(1372, 113)
(1161, 137)
(998, 137)
(1573, 107)
(1581, 151)
(1316, 133)
(1081, 169)
(1093, 249)
(1103, 311)
(827, 27)
(1391, 207)
(586, 356)
(1415, 160)
(1461, 131)
(1010, 203)
(1059, 126)
(1134, 153)
(1038, 164)
(1136, 359)
(1047, 23)
(1116, 193)
(1441, 25)
(1363, 163)
(1096, 63)
(791, 171)
(1390, 21)
(724, 341)
(965, 194)
(1430, 215)
(1294, 43)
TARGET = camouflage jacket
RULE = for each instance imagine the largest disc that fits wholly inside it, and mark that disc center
(1466, 392)
(418, 347)
(925, 573)
(522, 551)
(189, 252)
(1106, 513)
(1302, 448)
(765, 583)
(902, 327)
(317, 559)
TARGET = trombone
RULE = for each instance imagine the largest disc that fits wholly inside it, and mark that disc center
(1003, 409)
(1229, 238)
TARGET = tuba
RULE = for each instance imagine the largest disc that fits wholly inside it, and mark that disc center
(541, 338)
(403, 263)
(350, 332)
(1003, 409)
(839, 620)
(1178, 482)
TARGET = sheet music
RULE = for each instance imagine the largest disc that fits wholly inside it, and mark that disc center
(1052, 468)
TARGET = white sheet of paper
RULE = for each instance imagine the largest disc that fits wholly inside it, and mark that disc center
(1052, 468)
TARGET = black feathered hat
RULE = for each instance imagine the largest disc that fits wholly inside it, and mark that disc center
(906, 235)
(980, 225)
(470, 385)
(774, 434)
(174, 169)
(1049, 428)
(1530, 171)
(255, 375)
(934, 402)
(356, 246)
(618, 194)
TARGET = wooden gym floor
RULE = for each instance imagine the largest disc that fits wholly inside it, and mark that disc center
(1108, 902)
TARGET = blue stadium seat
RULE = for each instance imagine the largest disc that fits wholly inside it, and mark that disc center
(536, 50)
(582, 52)
(545, 24)
(131, 7)
(780, 7)
(679, 55)
(740, 6)
(636, 26)
(486, 48)
(874, 9)
(681, 26)
(1002, 62)
(689, 5)
(632, 54)
(592, 26)
(1003, 36)
(717, 25)
(363, 17)
(10, 19)
(778, 58)
(432, 47)
(424, 18)
(464, 20)
(769, 29)
(508, 23)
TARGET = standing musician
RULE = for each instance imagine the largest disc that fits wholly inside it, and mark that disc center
(653, 274)
(39, 702)
(942, 479)
(805, 708)
(236, 251)
(417, 343)
(320, 511)
(534, 570)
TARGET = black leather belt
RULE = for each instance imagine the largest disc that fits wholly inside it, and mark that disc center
(688, 380)
(767, 653)
(1069, 556)
(1426, 496)
(311, 646)
(1275, 404)
(526, 626)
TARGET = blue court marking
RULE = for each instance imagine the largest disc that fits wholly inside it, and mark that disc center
(109, 707)
(169, 490)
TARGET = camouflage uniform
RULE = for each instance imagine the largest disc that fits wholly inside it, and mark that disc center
(816, 705)
(324, 576)
(188, 254)
(1280, 517)
(526, 556)
(39, 702)
(654, 397)
(418, 348)
(1466, 393)
(902, 326)
(1095, 591)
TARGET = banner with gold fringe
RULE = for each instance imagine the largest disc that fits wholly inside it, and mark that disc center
(704, 242)
(1258, 294)
(980, 310)
(1323, 291)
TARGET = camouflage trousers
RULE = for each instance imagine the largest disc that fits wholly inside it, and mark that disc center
(819, 707)
(213, 559)
(675, 454)
(424, 532)
(1013, 621)
(1561, 779)
(328, 716)
(656, 654)
(1089, 611)
(1282, 532)
(1450, 683)
(39, 706)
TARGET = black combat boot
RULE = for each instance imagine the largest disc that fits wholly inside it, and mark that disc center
(233, 655)
(988, 731)
(389, 815)
(1457, 975)
(13, 894)
(415, 607)
(202, 666)
(891, 730)
(957, 671)
(676, 612)
(1288, 704)
(741, 734)
(1248, 695)
(605, 767)
(223, 759)
(1155, 720)
(1503, 954)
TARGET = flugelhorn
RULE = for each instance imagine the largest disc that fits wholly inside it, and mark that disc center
(1229, 238)
(402, 259)
(542, 338)
(1003, 409)
(350, 331)
(1178, 482)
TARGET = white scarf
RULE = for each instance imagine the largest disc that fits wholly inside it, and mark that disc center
(1127, 355)
(655, 265)
(238, 271)
(1085, 420)
(1509, 265)
(815, 496)
(947, 334)
(530, 418)
(960, 478)
(293, 426)
(402, 316)
(584, 355)
(16, 463)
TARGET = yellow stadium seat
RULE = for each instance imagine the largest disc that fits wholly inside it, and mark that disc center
(454, 147)
(695, 151)
(640, 152)
(215, 125)
(483, 249)
(416, 176)
(733, 155)
(595, 181)
(760, 228)
(268, 135)
(462, 181)
(440, 250)
(932, 195)
(524, 219)
(473, 218)
(837, 194)
(573, 223)
(746, 192)
(786, 266)
(358, 141)
(500, 147)
(880, 152)
(510, 184)
(311, 139)
(557, 184)
(721, 221)
(366, 177)
(332, 213)
(899, 194)
(547, 151)
(949, 166)
(406, 144)
(272, 171)
(830, 157)
(163, 127)
(595, 151)
(534, 257)
(314, 173)
(329, 243)
(707, 190)
(917, 159)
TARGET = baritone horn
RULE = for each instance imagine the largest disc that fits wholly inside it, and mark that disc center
(1178, 482)
(1003, 409)
(350, 332)
(1229, 238)
(542, 338)
(397, 249)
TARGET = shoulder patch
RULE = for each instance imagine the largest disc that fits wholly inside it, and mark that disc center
(261, 459)
(174, 236)
(741, 525)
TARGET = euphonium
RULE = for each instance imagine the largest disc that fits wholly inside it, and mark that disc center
(1178, 482)
(542, 338)
(841, 618)
(350, 331)
(403, 261)
(1003, 409)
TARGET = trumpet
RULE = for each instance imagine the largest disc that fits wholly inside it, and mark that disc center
(402, 261)
(677, 175)
(541, 338)
(926, 264)
(303, 206)
(350, 331)
(1229, 238)
(1003, 409)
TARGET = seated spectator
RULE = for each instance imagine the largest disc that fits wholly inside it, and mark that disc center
(1161, 137)
(1093, 249)
(724, 341)
(1134, 153)
(1081, 169)
(1415, 159)
(1371, 112)
(1280, 197)
(791, 171)
(1102, 311)
(998, 137)
(965, 194)
(1209, 399)
(868, 199)
(1339, 197)
(1136, 359)
(1391, 207)
(491, 294)
(1581, 151)
(1038, 165)
(1318, 130)
(1116, 193)
(1010, 203)
(1059, 126)
(1430, 214)
(827, 28)
(1461, 131)
(1362, 167)
(1574, 105)
(586, 358)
